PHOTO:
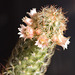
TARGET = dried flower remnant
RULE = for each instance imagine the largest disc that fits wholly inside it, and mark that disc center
(38, 31)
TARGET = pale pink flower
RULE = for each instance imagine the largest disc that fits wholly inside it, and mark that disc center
(32, 12)
(27, 20)
(26, 32)
(29, 32)
(42, 41)
(61, 40)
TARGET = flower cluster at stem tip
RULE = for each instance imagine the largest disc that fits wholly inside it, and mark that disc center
(46, 27)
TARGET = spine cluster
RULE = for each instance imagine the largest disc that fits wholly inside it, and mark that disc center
(44, 30)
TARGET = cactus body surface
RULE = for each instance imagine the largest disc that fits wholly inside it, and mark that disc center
(33, 53)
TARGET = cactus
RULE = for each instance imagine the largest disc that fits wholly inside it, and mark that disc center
(33, 52)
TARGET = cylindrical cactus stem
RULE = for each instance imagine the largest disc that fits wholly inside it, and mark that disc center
(28, 59)
(43, 32)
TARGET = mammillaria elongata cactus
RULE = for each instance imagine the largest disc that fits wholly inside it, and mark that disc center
(34, 51)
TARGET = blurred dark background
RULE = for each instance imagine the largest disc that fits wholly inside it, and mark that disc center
(11, 13)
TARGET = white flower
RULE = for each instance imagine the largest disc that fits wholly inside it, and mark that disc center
(32, 12)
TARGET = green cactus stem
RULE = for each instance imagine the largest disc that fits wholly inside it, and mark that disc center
(28, 59)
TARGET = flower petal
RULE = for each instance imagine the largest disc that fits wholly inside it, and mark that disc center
(66, 44)
(32, 12)
(27, 20)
